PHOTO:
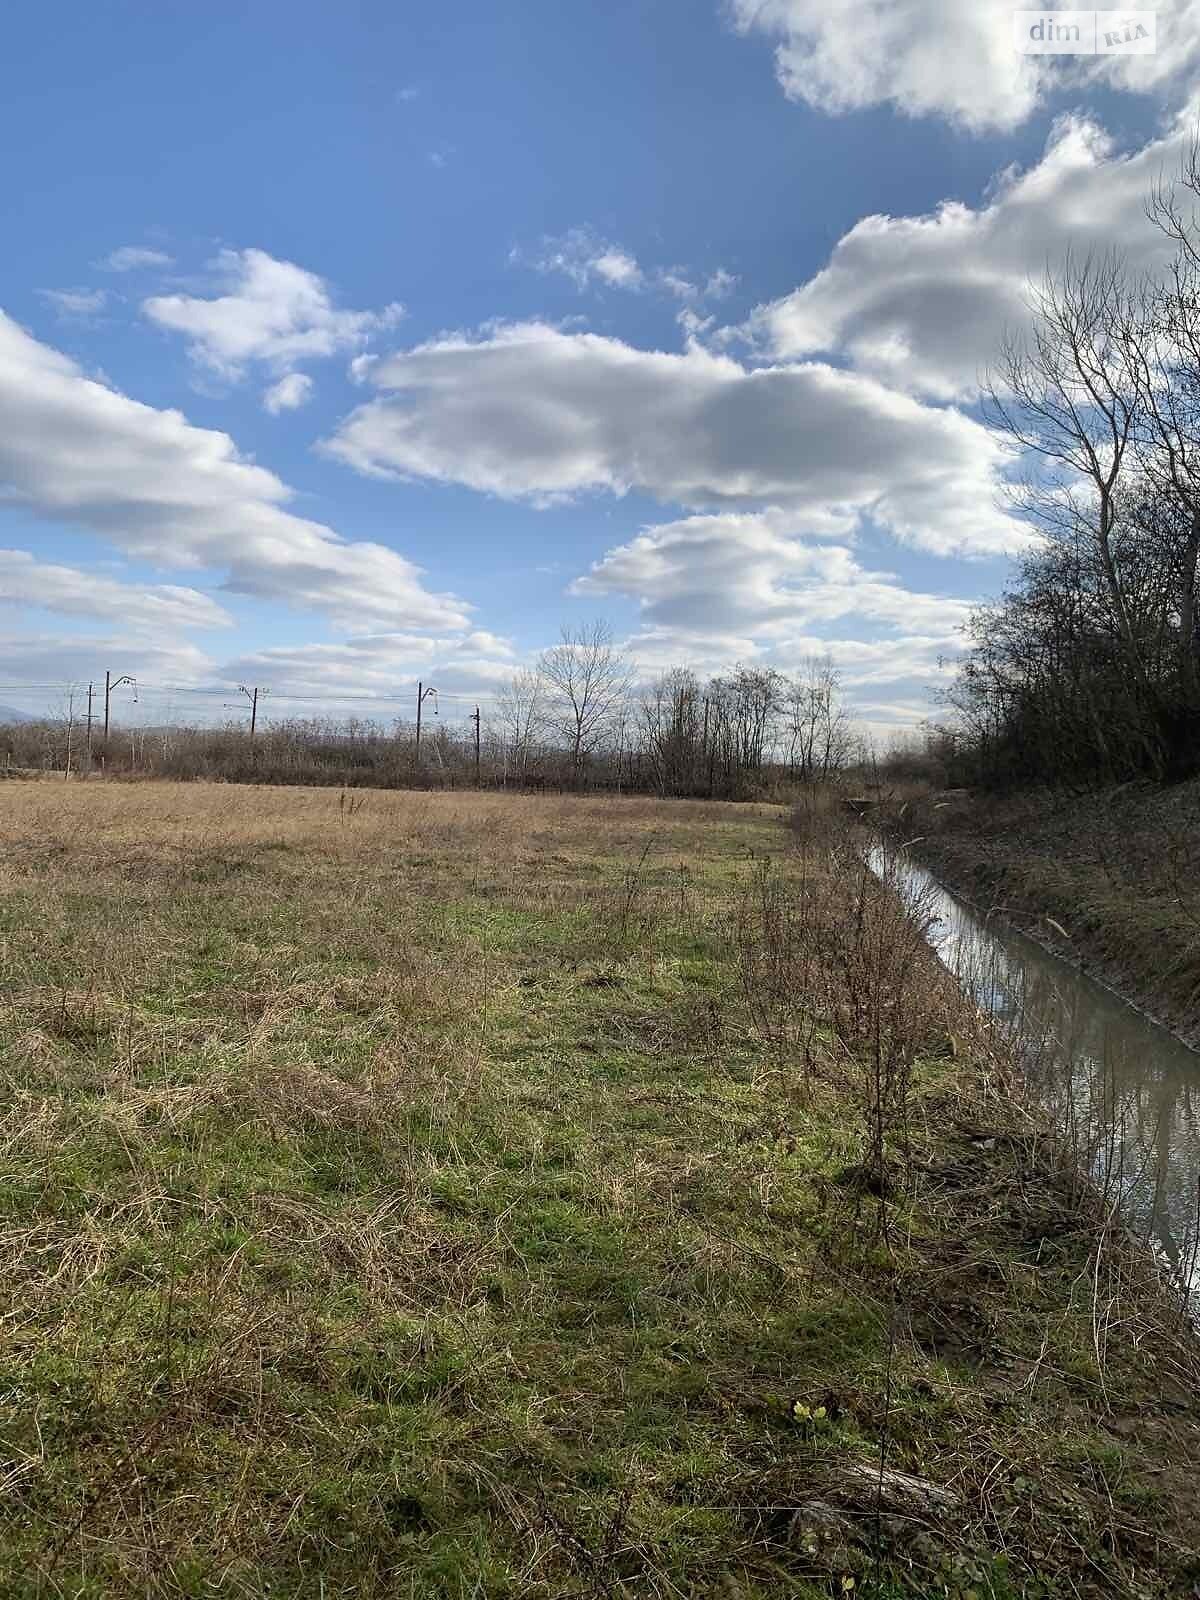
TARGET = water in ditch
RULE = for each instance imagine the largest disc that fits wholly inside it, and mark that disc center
(1130, 1088)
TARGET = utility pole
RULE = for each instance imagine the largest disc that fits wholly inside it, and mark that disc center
(111, 683)
(91, 692)
(252, 695)
(70, 731)
(422, 693)
(475, 720)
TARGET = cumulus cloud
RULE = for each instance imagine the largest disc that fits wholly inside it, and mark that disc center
(906, 660)
(923, 302)
(762, 579)
(26, 581)
(41, 658)
(272, 312)
(381, 665)
(959, 62)
(528, 411)
(292, 391)
(904, 670)
(133, 257)
(717, 589)
(75, 304)
(181, 497)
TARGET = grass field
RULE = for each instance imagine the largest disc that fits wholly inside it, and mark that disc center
(454, 1195)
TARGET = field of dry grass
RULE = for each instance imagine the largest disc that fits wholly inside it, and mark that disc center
(464, 1195)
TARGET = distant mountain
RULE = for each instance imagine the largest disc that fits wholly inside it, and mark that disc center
(11, 714)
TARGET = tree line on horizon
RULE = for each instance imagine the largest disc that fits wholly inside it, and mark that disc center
(578, 719)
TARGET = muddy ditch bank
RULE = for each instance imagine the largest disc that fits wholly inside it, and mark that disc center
(1108, 882)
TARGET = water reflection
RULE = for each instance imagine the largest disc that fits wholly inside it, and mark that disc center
(1127, 1087)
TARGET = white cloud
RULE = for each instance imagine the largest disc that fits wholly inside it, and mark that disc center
(918, 55)
(716, 286)
(926, 58)
(694, 325)
(583, 256)
(75, 304)
(41, 658)
(292, 391)
(923, 302)
(165, 607)
(901, 672)
(530, 412)
(272, 312)
(761, 579)
(908, 659)
(132, 257)
(579, 254)
(617, 268)
(181, 497)
(734, 587)
(381, 665)
(675, 283)
(720, 283)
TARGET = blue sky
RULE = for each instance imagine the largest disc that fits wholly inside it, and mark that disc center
(350, 345)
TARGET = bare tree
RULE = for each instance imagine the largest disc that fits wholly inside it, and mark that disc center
(816, 724)
(1169, 372)
(518, 714)
(586, 681)
(1070, 392)
(672, 713)
(744, 710)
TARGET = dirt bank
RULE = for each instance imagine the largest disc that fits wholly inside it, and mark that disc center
(1111, 881)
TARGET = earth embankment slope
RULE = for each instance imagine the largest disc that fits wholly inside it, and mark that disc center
(1110, 880)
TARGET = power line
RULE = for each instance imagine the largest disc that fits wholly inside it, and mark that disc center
(402, 697)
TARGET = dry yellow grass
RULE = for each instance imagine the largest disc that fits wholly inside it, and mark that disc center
(174, 814)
